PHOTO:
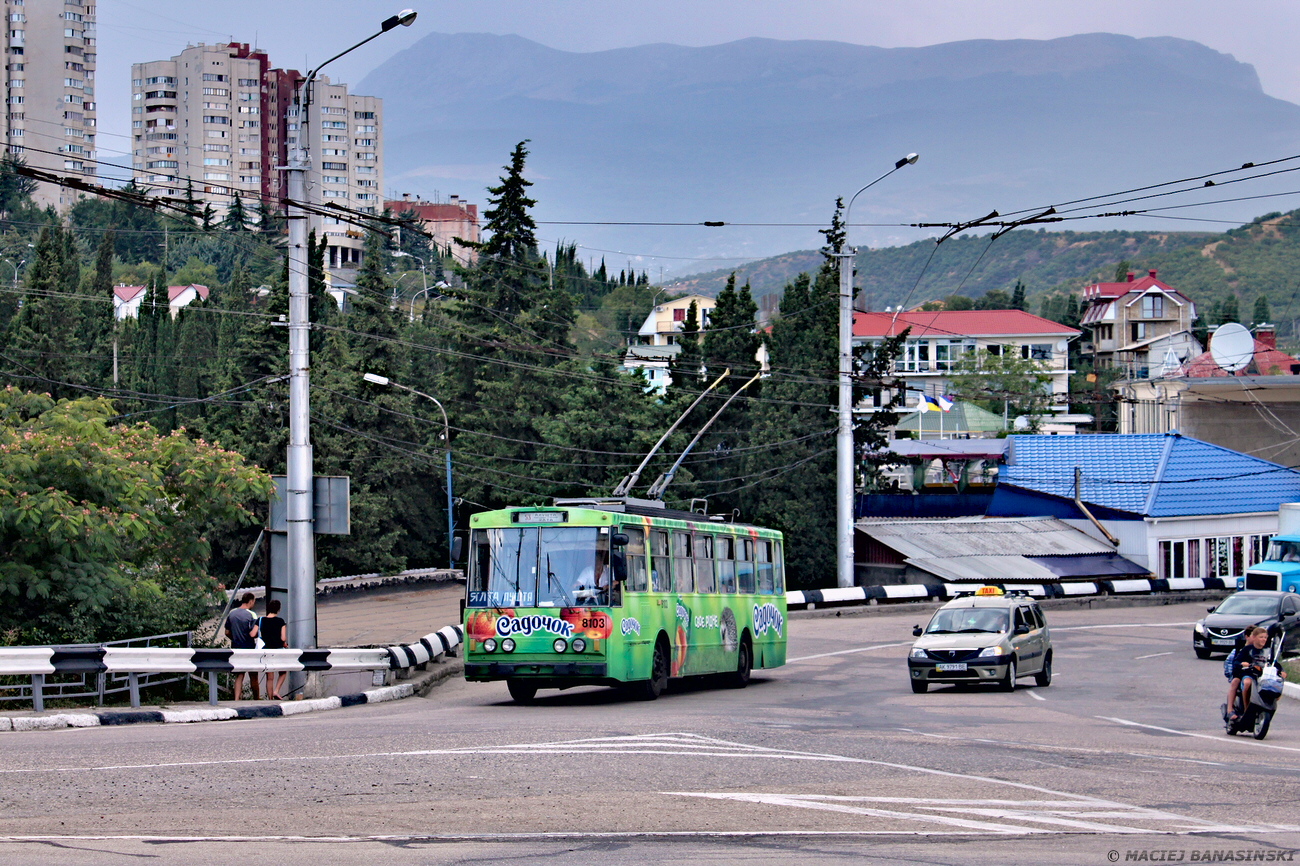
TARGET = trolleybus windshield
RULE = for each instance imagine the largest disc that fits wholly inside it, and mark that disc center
(540, 567)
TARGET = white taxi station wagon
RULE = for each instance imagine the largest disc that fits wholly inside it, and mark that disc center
(983, 636)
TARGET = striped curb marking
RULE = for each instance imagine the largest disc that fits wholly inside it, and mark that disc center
(270, 711)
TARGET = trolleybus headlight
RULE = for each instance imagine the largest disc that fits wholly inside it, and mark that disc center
(560, 645)
(579, 645)
(508, 645)
(490, 645)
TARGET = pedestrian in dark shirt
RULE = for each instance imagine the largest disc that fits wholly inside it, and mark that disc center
(275, 635)
(241, 628)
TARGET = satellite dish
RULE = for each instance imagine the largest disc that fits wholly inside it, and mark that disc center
(1232, 347)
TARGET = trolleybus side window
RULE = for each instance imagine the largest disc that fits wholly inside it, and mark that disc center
(745, 565)
(725, 551)
(763, 555)
(683, 576)
(779, 585)
(704, 579)
(634, 556)
(660, 574)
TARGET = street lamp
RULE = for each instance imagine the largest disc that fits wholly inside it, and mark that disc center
(441, 284)
(301, 545)
(376, 379)
(844, 436)
(16, 268)
(423, 273)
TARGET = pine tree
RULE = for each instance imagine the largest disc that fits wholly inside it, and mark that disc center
(43, 334)
(236, 218)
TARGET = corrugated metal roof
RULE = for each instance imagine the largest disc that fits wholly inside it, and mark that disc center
(1012, 537)
(1155, 475)
(985, 569)
(962, 418)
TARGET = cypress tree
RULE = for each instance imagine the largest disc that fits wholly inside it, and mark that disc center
(1261, 314)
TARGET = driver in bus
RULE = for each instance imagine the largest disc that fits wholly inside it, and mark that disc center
(593, 584)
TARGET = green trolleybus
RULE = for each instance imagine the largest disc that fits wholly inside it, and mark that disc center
(621, 592)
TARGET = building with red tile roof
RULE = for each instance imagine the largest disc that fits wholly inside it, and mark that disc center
(938, 339)
(1136, 323)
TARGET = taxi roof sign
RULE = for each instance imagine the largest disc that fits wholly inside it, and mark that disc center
(989, 590)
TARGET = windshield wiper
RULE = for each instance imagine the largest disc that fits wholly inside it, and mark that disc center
(939, 631)
(552, 579)
(978, 631)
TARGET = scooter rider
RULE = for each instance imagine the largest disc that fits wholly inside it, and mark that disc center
(1251, 660)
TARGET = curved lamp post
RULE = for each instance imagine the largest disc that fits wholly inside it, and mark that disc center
(844, 435)
(376, 379)
(301, 547)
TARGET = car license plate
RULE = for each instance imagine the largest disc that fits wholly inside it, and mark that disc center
(953, 666)
(1217, 642)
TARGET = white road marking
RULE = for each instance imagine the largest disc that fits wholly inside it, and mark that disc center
(1023, 744)
(1219, 739)
(1036, 696)
(861, 649)
(1122, 625)
(1152, 656)
(1068, 815)
(864, 649)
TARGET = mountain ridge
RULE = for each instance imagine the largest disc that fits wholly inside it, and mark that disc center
(764, 134)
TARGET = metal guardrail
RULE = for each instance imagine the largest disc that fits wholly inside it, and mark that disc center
(137, 665)
(810, 598)
(79, 673)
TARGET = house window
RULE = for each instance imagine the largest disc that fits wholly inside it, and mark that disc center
(679, 315)
(1142, 330)
(916, 356)
(1173, 559)
(1037, 351)
(1153, 307)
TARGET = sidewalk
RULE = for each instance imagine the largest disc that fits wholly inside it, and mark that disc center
(192, 711)
(382, 617)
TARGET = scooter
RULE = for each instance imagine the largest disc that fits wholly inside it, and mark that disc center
(1256, 717)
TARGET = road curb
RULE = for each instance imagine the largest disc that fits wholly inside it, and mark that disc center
(420, 686)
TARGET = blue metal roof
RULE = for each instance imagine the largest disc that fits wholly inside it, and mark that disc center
(1153, 475)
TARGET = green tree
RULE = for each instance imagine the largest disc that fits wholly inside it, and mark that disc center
(1261, 312)
(236, 218)
(1003, 382)
(15, 189)
(104, 526)
(1018, 296)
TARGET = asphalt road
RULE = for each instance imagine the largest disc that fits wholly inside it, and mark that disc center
(829, 759)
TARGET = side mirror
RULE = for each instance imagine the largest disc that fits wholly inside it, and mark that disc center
(1021, 629)
(457, 548)
(917, 631)
(618, 561)
(1209, 610)
(619, 539)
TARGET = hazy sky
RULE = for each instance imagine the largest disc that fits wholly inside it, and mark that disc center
(298, 33)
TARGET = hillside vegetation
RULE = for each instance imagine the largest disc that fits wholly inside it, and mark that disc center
(1260, 259)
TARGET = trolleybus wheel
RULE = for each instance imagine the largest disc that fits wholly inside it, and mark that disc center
(744, 664)
(522, 691)
(648, 690)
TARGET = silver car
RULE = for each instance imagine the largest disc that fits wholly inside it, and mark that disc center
(982, 637)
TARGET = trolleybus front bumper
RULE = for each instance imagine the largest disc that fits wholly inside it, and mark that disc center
(501, 670)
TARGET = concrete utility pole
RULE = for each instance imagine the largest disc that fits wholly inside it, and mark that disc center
(301, 542)
(844, 473)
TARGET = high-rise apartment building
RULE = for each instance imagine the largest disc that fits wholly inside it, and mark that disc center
(49, 119)
(347, 163)
(219, 118)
